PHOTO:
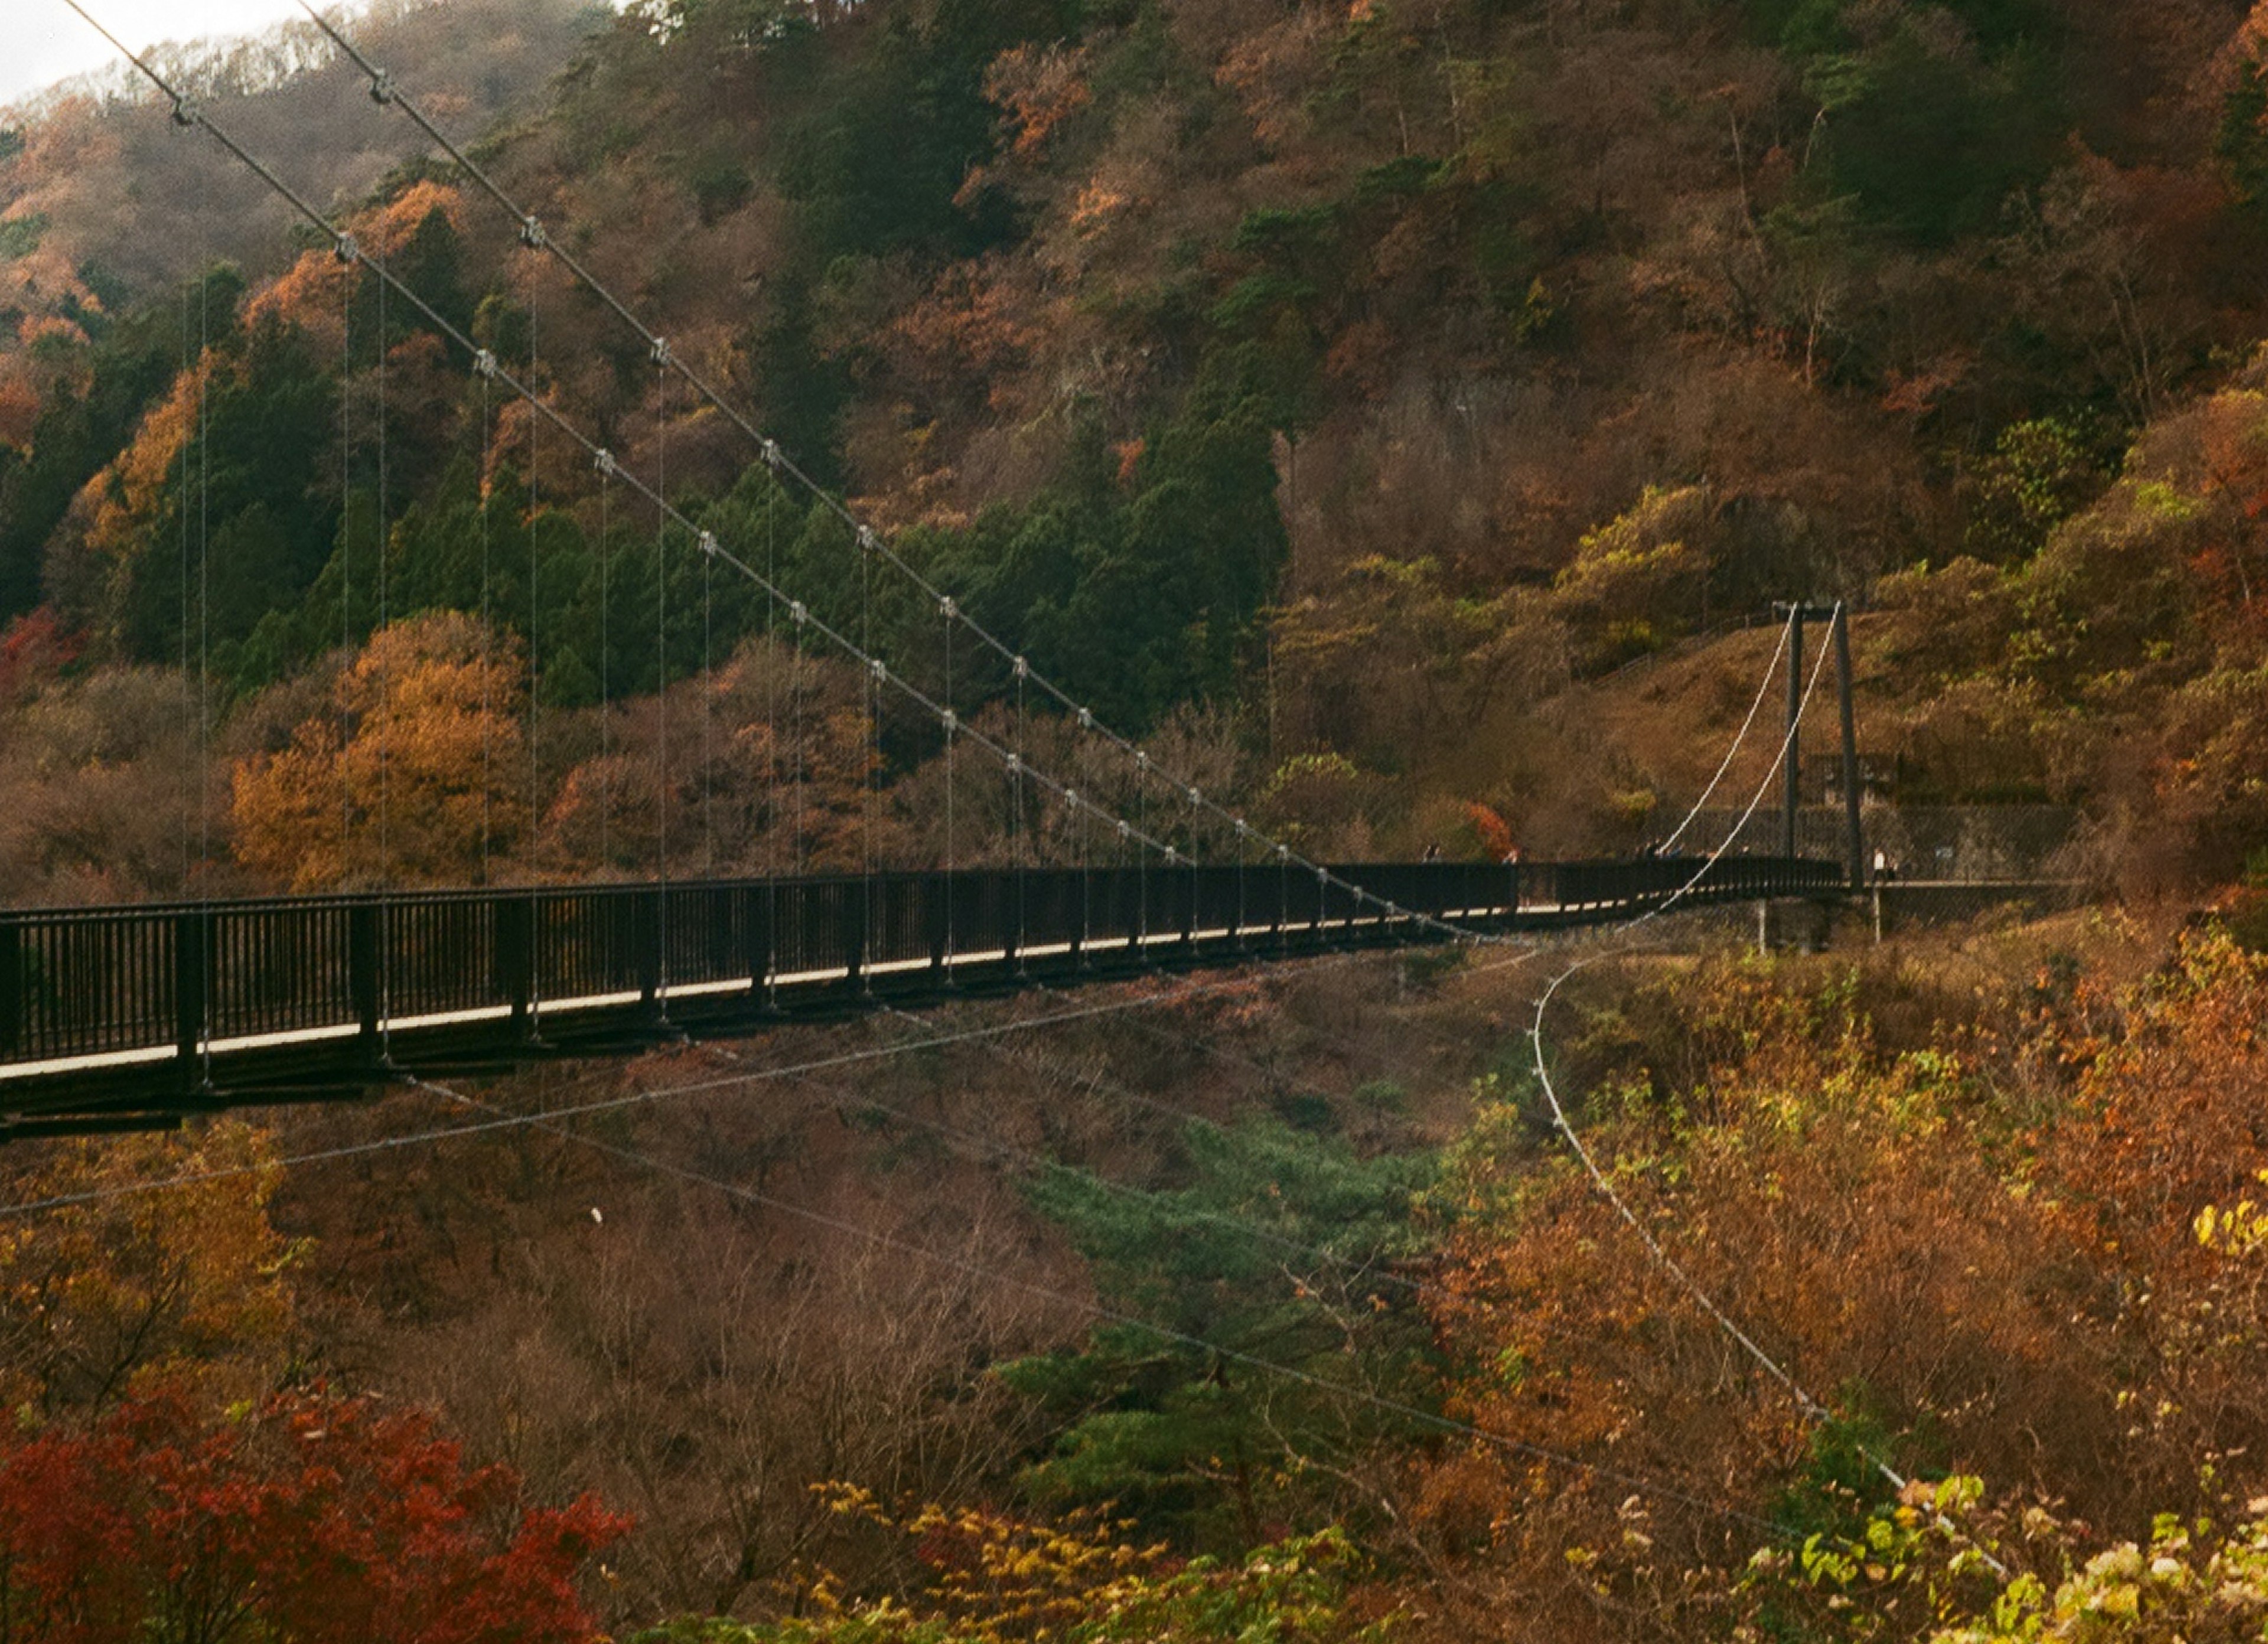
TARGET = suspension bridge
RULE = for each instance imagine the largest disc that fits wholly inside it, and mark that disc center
(130, 1017)
(136, 1016)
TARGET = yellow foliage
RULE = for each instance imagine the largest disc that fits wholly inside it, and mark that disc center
(996, 1578)
(109, 1290)
(2239, 1231)
(407, 780)
(130, 491)
(1628, 568)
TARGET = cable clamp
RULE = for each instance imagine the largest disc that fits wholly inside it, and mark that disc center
(1172, 855)
(531, 234)
(381, 88)
(662, 356)
(1141, 761)
(1242, 832)
(484, 363)
(798, 613)
(709, 543)
(950, 720)
(1087, 719)
(773, 456)
(186, 113)
(604, 462)
(345, 250)
(880, 669)
(946, 608)
(1023, 669)
(868, 542)
(1283, 853)
(1015, 765)
(1322, 876)
(1070, 798)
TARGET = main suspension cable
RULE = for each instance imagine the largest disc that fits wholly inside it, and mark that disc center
(188, 114)
(1812, 1410)
(870, 542)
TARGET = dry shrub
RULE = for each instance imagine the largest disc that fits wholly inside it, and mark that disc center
(111, 798)
(767, 765)
(1940, 625)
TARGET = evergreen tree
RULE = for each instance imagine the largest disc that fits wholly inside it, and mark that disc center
(1278, 1326)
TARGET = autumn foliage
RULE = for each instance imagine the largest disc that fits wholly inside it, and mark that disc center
(110, 1293)
(305, 1516)
(413, 776)
(2019, 1248)
(992, 1577)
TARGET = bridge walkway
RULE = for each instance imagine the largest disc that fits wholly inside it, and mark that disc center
(135, 1017)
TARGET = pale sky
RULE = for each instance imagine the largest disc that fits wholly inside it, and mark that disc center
(42, 42)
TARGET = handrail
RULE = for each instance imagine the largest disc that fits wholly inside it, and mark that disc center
(151, 1006)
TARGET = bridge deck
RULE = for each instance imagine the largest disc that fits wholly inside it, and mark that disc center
(130, 1017)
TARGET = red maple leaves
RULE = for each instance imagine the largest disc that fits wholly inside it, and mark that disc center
(312, 1518)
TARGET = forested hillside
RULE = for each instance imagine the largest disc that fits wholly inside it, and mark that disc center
(1396, 416)
(1341, 385)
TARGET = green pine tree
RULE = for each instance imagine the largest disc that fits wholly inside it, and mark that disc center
(1284, 1343)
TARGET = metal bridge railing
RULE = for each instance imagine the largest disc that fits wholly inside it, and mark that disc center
(186, 984)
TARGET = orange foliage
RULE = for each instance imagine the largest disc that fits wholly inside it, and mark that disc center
(19, 411)
(119, 1292)
(1495, 833)
(2233, 441)
(2251, 41)
(129, 493)
(1037, 88)
(384, 232)
(965, 332)
(308, 294)
(411, 777)
(2022, 1282)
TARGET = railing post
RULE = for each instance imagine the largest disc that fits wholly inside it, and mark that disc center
(760, 925)
(515, 958)
(192, 991)
(1078, 931)
(937, 902)
(645, 948)
(854, 938)
(1141, 909)
(363, 979)
(11, 988)
(1011, 956)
